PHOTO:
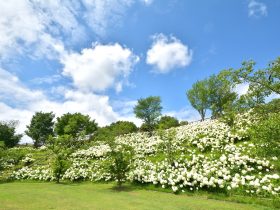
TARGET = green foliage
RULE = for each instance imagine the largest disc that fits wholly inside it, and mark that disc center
(149, 110)
(13, 156)
(2, 144)
(75, 125)
(198, 96)
(8, 134)
(215, 93)
(62, 146)
(166, 122)
(267, 135)
(261, 82)
(221, 96)
(121, 156)
(40, 128)
(271, 107)
(59, 166)
(183, 123)
(123, 127)
(108, 133)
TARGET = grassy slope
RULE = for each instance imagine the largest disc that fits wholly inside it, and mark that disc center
(26, 195)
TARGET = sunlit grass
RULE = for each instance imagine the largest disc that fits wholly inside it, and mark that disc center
(36, 195)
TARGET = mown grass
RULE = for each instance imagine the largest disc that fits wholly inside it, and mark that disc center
(82, 196)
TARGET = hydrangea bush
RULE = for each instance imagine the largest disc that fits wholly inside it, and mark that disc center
(208, 155)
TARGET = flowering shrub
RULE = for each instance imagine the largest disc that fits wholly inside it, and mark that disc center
(208, 155)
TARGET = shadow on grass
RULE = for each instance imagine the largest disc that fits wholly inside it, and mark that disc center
(122, 188)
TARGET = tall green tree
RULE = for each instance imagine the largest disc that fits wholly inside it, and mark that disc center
(75, 125)
(8, 134)
(149, 110)
(40, 127)
(198, 96)
(221, 94)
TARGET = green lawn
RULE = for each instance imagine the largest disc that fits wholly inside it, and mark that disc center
(40, 196)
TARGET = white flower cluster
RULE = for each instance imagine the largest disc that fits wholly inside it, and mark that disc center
(142, 143)
(87, 170)
(228, 172)
(95, 151)
(40, 173)
(28, 159)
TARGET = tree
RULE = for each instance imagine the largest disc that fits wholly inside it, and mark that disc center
(8, 134)
(108, 133)
(123, 127)
(267, 79)
(75, 125)
(262, 82)
(41, 127)
(60, 166)
(121, 161)
(198, 96)
(149, 110)
(221, 94)
(62, 146)
(166, 122)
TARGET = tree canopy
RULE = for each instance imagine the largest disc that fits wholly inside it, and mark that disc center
(8, 134)
(149, 110)
(75, 125)
(41, 127)
(198, 96)
(108, 133)
(166, 122)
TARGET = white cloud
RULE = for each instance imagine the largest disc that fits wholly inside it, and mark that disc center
(257, 9)
(45, 28)
(29, 101)
(12, 90)
(100, 67)
(35, 28)
(241, 89)
(101, 14)
(168, 53)
(23, 116)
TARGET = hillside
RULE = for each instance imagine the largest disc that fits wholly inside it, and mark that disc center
(207, 155)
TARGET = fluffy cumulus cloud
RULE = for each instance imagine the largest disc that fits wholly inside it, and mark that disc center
(168, 53)
(256, 9)
(100, 67)
(97, 106)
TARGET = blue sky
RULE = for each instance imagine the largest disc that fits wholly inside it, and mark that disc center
(98, 57)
